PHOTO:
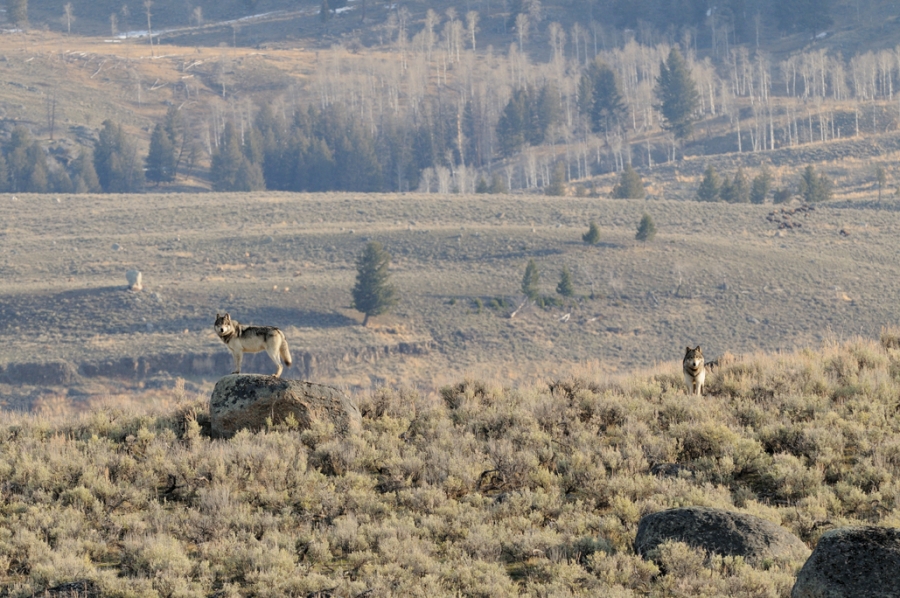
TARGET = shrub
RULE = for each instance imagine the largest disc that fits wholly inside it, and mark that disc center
(646, 229)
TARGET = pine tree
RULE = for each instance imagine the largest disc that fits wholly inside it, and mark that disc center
(498, 185)
(737, 190)
(880, 179)
(226, 161)
(4, 174)
(85, 180)
(677, 95)
(17, 12)
(592, 236)
(161, 157)
(116, 161)
(814, 187)
(709, 186)
(630, 185)
(762, 184)
(512, 124)
(599, 97)
(646, 229)
(373, 294)
(557, 186)
(565, 287)
(531, 281)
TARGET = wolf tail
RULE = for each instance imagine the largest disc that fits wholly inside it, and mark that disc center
(285, 352)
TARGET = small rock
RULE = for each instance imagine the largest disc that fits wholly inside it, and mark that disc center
(134, 280)
(116, 247)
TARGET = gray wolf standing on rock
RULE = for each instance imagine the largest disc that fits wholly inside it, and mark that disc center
(242, 339)
(694, 371)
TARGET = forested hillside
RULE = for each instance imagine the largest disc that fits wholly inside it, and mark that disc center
(438, 97)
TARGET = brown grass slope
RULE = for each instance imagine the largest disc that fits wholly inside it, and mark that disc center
(479, 490)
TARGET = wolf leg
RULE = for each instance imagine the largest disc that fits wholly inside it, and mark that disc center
(272, 352)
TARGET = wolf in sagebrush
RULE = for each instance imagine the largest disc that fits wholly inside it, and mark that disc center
(242, 339)
(694, 370)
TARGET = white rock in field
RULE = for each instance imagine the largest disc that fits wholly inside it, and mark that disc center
(134, 280)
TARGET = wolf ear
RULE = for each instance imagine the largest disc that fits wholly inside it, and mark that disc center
(227, 317)
(218, 315)
(698, 348)
(687, 349)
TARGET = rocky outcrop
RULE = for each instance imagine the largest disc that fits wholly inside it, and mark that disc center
(720, 532)
(246, 401)
(52, 373)
(850, 562)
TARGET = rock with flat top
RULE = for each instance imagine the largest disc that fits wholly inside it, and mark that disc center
(246, 401)
(720, 532)
(852, 561)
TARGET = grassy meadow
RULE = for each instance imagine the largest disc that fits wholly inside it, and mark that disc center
(480, 489)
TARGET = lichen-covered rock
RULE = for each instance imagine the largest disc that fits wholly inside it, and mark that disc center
(247, 400)
(850, 562)
(720, 532)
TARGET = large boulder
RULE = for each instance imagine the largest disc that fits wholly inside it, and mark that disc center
(720, 532)
(247, 400)
(852, 561)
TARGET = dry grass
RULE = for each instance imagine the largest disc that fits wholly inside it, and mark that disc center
(483, 489)
(717, 275)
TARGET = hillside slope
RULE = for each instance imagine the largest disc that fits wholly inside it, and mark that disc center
(481, 490)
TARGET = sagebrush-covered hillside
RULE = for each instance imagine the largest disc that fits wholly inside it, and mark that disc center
(479, 490)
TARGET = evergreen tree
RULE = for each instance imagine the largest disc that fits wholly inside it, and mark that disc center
(511, 126)
(85, 180)
(709, 186)
(18, 165)
(599, 97)
(557, 186)
(498, 184)
(762, 184)
(373, 294)
(677, 95)
(226, 161)
(4, 174)
(531, 281)
(811, 16)
(249, 177)
(814, 187)
(116, 161)
(646, 229)
(630, 185)
(738, 190)
(544, 108)
(176, 126)
(161, 157)
(565, 287)
(60, 181)
(17, 12)
(592, 236)
(38, 173)
(880, 179)
(481, 186)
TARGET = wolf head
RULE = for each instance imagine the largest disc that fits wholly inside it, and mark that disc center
(223, 325)
(693, 356)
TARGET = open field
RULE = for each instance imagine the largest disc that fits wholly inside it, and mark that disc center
(718, 275)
